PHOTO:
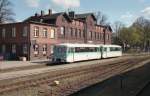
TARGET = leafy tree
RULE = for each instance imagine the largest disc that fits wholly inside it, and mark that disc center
(143, 25)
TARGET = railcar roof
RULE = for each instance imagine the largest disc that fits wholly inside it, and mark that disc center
(86, 45)
(78, 45)
(111, 45)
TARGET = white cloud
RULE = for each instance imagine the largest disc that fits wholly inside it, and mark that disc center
(127, 15)
(67, 3)
(146, 12)
(128, 18)
(33, 3)
(142, 1)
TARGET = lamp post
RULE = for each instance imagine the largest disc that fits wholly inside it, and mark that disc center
(121, 77)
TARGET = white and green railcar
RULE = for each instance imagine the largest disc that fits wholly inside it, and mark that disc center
(81, 52)
(76, 52)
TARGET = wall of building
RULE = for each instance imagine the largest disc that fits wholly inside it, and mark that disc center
(9, 41)
(41, 41)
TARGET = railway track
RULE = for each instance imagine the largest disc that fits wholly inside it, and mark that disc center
(84, 76)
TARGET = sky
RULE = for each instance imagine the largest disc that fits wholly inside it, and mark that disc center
(126, 11)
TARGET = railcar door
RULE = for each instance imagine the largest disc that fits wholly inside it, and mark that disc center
(104, 52)
(70, 55)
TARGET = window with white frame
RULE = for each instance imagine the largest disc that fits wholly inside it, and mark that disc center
(107, 36)
(44, 49)
(45, 32)
(90, 34)
(25, 48)
(36, 31)
(36, 49)
(73, 22)
(63, 31)
(52, 33)
(25, 31)
(3, 33)
(13, 32)
(52, 49)
(13, 48)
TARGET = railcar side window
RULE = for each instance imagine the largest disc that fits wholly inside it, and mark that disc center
(115, 49)
(86, 49)
(70, 50)
(105, 49)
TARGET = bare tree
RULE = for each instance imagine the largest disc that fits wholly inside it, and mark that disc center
(117, 26)
(101, 18)
(6, 13)
(117, 29)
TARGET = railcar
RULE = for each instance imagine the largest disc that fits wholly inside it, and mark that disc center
(80, 52)
(109, 51)
(76, 52)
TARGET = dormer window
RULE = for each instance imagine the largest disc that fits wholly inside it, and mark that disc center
(63, 19)
(62, 30)
(41, 20)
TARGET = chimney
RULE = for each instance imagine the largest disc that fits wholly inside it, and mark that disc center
(36, 14)
(49, 12)
(42, 13)
(72, 14)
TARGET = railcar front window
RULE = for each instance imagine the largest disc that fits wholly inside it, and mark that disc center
(61, 49)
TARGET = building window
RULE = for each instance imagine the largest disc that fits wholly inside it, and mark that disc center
(95, 35)
(52, 49)
(71, 32)
(62, 31)
(82, 24)
(76, 32)
(90, 34)
(25, 31)
(36, 49)
(45, 32)
(52, 33)
(107, 36)
(100, 36)
(78, 23)
(73, 22)
(80, 33)
(3, 33)
(25, 49)
(44, 49)
(3, 48)
(13, 48)
(13, 32)
(36, 31)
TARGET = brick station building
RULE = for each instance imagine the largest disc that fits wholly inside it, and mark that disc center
(35, 37)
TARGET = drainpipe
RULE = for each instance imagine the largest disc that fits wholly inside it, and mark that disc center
(104, 36)
(85, 32)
